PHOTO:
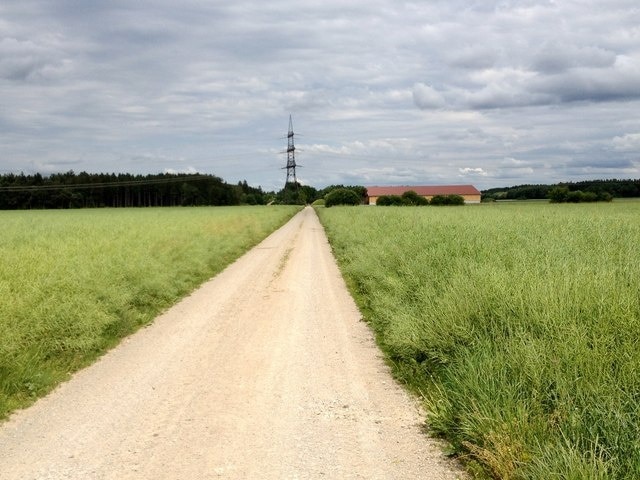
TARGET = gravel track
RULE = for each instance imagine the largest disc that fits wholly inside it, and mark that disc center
(265, 372)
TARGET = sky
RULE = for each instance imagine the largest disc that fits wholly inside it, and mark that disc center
(382, 92)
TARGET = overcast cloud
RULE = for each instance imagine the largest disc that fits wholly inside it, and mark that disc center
(492, 93)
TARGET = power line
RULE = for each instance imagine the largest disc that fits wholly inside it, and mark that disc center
(122, 183)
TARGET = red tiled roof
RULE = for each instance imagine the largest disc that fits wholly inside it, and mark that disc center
(424, 190)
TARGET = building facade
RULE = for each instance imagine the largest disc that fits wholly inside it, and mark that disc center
(470, 193)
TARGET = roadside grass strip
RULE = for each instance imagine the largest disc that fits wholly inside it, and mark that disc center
(518, 323)
(74, 282)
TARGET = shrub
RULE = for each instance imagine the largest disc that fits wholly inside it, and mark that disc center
(412, 198)
(341, 196)
(408, 198)
(390, 201)
(604, 196)
(438, 200)
(564, 195)
(558, 194)
(447, 200)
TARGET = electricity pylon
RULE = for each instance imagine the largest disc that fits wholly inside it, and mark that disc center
(291, 158)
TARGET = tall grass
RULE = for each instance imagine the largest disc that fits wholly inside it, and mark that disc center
(73, 282)
(519, 323)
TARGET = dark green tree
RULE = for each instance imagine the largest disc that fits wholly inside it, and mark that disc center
(411, 198)
(342, 196)
(559, 194)
(291, 194)
(390, 201)
(439, 200)
(358, 189)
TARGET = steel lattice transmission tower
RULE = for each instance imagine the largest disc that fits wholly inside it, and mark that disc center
(291, 158)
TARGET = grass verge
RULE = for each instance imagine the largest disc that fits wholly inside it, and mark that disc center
(74, 282)
(518, 323)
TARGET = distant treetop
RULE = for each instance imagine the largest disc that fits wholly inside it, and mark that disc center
(601, 188)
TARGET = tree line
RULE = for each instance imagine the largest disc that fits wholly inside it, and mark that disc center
(412, 199)
(91, 190)
(295, 193)
(587, 190)
(86, 190)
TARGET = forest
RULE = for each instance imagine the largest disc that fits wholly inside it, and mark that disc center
(85, 190)
(90, 190)
(603, 189)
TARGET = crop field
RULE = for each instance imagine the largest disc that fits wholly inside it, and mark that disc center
(74, 282)
(519, 324)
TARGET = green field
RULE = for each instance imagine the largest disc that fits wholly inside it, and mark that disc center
(519, 324)
(73, 282)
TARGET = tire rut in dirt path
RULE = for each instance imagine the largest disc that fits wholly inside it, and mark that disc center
(266, 371)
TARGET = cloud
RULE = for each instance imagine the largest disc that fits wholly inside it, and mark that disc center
(25, 60)
(473, 57)
(427, 97)
(473, 171)
(187, 170)
(384, 91)
(554, 57)
(620, 82)
(629, 142)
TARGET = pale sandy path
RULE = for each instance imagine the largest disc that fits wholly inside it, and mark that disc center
(265, 372)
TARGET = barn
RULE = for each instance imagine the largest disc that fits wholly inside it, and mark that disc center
(470, 193)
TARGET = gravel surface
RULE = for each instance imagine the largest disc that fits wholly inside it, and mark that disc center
(265, 372)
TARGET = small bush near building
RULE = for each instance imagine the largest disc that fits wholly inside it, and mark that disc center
(341, 196)
(409, 198)
(412, 198)
(390, 201)
(447, 200)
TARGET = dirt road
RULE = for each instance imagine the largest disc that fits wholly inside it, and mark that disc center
(265, 372)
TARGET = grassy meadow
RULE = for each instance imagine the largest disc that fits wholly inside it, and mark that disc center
(518, 323)
(73, 282)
